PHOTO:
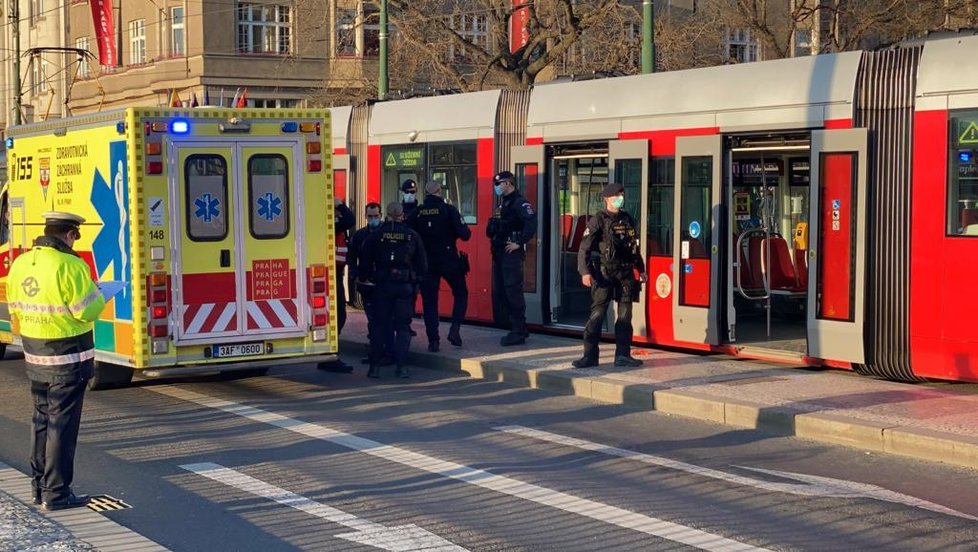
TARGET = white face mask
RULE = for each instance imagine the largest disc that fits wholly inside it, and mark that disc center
(408, 198)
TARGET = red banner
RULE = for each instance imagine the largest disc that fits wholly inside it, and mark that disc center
(519, 25)
(104, 32)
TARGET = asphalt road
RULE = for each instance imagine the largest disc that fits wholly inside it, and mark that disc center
(315, 461)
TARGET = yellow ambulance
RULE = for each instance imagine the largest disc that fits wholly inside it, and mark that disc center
(217, 222)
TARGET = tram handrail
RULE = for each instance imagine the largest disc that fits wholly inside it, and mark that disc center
(740, 282)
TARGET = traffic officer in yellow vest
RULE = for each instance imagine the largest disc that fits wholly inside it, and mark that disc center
(55, 302)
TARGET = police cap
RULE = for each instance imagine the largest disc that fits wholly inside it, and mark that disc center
(612, 189)
(409, 186)
(62, 218)
(504, 176)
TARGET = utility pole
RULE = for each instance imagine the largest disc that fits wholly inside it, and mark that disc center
(15, 21)
(648, 40)
(382, 85)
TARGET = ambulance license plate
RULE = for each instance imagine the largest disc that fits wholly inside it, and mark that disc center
(237, 350)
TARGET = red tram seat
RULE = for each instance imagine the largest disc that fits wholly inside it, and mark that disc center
(566, 229)
(781, 269)
(801, 267)
(755, 266)
(578, 234)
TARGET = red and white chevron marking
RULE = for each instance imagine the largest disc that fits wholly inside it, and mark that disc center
(210, 318)
(271, 314)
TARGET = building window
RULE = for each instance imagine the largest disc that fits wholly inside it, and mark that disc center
(803, 42)
(962, 193)
(740, 47)
(474, 28)
(264, 29)
(272, 102)
(137, 41)
(37, 10)
(358, 31)
(177, 46)
(84, 70)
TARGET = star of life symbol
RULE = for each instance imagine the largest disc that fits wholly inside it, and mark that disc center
(208, 208)
(30, 286)
(269, 206)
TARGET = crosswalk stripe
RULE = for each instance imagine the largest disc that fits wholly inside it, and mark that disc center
(481, 478)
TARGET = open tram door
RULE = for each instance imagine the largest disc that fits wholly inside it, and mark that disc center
(528, 166)
(628, 164)
(696, 246)
(837, 252)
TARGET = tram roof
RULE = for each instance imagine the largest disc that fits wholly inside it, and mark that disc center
(946, 78)
(340, 123)
(435, 119)
(780, 94)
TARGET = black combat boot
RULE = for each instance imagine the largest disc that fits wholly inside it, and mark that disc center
(584, 362)
(627, 361)
(453, 336)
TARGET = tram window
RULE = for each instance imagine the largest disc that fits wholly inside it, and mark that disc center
(206, 181)
(528, 181)
(454, 165)
(696, 222)
(662, 194)
(962, 196)
(629, 173)
(268, 194)
(399, 164)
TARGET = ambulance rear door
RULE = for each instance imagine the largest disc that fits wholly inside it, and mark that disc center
(236, 274)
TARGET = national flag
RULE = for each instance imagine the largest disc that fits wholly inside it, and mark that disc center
(175, 99)
(234, 100)
(222, 97)
(193, 99)
(243, 100)
(207, 97)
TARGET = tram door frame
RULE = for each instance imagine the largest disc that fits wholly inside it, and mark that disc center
(828, 338)
(522, 157)
(698, 323)
(634, 150)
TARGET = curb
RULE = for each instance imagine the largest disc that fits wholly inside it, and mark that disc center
(823, 427)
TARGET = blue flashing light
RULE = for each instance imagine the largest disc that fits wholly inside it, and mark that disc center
(965, 156)
(179, 126)
(120, 127)
(9, 142)
(290, 127)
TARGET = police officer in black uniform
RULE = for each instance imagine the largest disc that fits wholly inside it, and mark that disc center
(409, 197)
(513, 226)
(607, 261)
(374, 220)
(441, 226)
(393, 259)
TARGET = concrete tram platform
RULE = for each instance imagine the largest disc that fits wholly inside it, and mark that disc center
(830, 406)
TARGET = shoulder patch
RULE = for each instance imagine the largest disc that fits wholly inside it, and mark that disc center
(528, 207)
(587, 232)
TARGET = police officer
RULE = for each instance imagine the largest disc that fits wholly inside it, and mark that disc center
(52, 295)
(343, 221)
(509, 230)
(409, 197)
(374, 220)
(393, 259)
(607, 261)
(440, 226)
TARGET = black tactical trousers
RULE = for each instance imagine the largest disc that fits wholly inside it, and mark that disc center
(619, 290)
(56, 419)
(429, 298)
(507, 287)
(390, 319)
(340, 298)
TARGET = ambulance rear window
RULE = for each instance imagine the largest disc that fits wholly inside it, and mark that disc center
(206, 177)
(268, 195)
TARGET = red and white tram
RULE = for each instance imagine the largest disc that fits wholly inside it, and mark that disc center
(819, 210)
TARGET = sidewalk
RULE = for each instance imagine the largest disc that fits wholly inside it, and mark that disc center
(829, 406)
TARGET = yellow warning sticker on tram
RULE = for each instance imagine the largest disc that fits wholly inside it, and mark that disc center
(970, 134)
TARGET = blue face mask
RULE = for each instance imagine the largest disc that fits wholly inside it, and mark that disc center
(408, 197)
(498, 189)
(617, 201)
(374, 223)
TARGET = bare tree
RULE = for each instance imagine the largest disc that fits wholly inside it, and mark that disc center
(466, 60)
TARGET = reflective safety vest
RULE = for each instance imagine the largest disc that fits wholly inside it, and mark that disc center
(52, 295)
(341, 249)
